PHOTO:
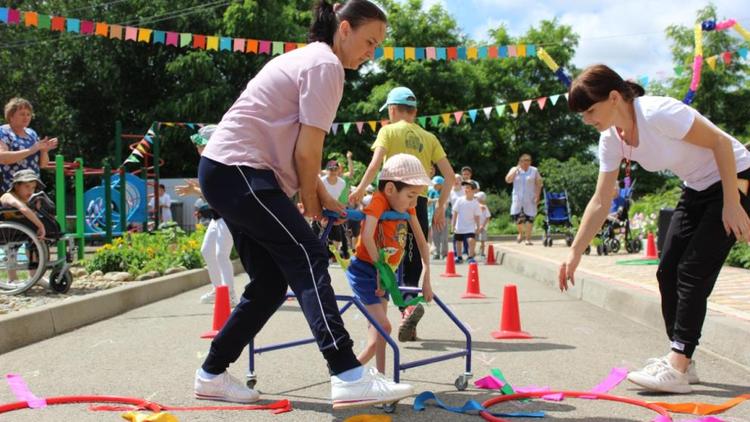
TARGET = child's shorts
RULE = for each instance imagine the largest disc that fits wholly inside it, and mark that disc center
(459, 237)
(362, 278)
(482, 236)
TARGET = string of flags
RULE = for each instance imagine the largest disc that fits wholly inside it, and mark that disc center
(726, 57)
(456, 117)
(144, 146)
(11, 16)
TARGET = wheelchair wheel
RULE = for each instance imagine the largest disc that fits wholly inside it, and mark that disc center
(23, 258)
(614, 245)
(635, 245)
(59, 282)
(568, 239)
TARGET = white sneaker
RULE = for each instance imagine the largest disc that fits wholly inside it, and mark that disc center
(209, 297)
(660, 376)
(373, 388)
(692, 373)
(224, 388)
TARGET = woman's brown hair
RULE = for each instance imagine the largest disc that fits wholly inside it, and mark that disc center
(595, 83)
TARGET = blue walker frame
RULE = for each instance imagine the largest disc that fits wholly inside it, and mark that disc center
(461, 381)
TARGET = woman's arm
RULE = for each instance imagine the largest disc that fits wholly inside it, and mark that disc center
(592, 220)
(704, 134)
(307, 156)
(511, 174)
(12, 157)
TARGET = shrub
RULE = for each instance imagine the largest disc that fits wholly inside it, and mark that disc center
(576, 178)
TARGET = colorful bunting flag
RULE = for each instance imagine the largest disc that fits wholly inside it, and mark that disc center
(373, 125)
(541, 101)
(360, 125)
(514, 108)
(473, 115)
(553, 99)
(458, 115)
(446, 118)
(501, 109)
(487, 112)
(526, 105)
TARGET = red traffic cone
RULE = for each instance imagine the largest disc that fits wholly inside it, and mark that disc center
(221, 311)
(450, 266)
(651, 247)
(490, 255)
(472, 283)
(510, 322)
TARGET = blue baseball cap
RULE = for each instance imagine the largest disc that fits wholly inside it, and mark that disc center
(438, 180)
(401, 95)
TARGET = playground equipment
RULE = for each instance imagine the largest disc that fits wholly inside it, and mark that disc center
(461, 381)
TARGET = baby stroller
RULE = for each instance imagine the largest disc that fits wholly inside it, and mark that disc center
(617, 220)
(25, 258)
(557, 217)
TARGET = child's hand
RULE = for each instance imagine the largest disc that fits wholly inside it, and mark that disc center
(40, 232)
(427, 289)
(379, 292)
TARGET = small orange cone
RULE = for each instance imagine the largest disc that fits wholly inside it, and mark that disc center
(510, 321)
(450, 266)
(222, 309)
(472, 283)
(490, 255)
(651, 247)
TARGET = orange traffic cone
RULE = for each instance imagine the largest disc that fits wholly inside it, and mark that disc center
(472, 283)
(510, 321)
(490, 255)
(651, 247)
(450, 266)
(221, 311)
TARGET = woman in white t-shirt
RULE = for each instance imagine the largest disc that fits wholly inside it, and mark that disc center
(664, 134)
(268, 147)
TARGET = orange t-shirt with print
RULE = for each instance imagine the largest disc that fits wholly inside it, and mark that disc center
(390, 235)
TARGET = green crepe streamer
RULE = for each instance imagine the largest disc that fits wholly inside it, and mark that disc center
(388, 281)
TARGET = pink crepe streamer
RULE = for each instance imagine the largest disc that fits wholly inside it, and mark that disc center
(489, 383)
(707, 419)
(19, 389)
(662, 418)
(615, 377)
(531, 389)
(720, 26)
(697, 65)
(553, 397)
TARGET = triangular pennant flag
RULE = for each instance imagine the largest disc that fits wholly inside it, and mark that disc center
(679, 69)
(643, 80)
(566, 96)
(334, 128)
(726, 57)
(514, 108)
(137, 153)
(360, 126)
(711, 62)
(526, 105)
(373, 125)
(422, 121)
(458, 115)
(487, 112)
(446, 118)
(541, 101)
(473, 115)
(347, 125)
(435, 120)
(743, 52)
(132, 159)
(500, 110)
(141, 148)
(553, 98)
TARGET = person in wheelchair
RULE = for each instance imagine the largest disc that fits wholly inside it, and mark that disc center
(22, 188)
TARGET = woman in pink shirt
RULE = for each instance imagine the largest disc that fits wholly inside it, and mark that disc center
(267, 148)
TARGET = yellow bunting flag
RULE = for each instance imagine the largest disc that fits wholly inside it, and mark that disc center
(144, 35)
(446, 118)
(471, 53)
(514, 107)
(388, 53)
(373, 124)
(410, 53)
(212, 43)
(711, 62)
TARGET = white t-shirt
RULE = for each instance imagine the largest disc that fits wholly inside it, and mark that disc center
(484, 215)
(455, 194)
(466, 211)
(662, 123)
(165, 203)
(334, 189)
(303, 86)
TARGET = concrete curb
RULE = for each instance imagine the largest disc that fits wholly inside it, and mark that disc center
(723, 333)
(25, 327)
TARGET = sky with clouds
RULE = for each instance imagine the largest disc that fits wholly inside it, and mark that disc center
(627, 35)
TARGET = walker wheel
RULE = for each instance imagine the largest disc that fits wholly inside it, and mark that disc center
(389, 407)
(60, 283)
(461, 382)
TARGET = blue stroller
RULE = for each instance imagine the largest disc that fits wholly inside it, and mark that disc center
(618, 219)
(557, 217)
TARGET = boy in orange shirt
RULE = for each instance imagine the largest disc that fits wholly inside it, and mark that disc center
(402, 179)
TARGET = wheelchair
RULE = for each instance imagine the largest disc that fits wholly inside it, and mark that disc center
(25, 258)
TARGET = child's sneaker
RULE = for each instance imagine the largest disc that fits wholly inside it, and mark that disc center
(409, 320)
(209, 297)
(459, 260)
(224, 388)
(660, 376)
(373, 388)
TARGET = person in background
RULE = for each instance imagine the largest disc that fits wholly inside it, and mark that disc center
(527, 186)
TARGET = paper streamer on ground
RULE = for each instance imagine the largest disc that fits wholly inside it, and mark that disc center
(22, 392)
(703, 408)
(469, 406)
